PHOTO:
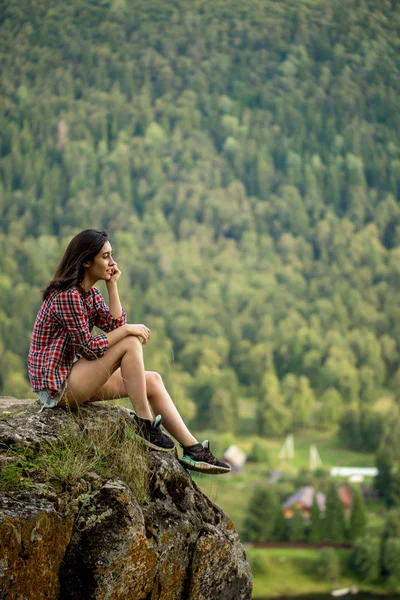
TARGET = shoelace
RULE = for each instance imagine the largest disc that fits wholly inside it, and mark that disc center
(207, 454)
(155, 431)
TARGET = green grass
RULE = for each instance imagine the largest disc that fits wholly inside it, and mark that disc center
(19, 470)
(293, 572)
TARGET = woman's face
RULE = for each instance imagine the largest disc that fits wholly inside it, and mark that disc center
(102, 266)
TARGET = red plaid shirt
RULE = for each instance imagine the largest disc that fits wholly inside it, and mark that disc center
(62, 330)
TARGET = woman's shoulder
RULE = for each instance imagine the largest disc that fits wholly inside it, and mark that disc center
(71, 294)
(55, 301)
(76, 295)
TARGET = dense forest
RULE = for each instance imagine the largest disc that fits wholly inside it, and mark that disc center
(245, 159)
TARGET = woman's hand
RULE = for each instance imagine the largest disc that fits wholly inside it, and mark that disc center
(141, 331)
(114, 277)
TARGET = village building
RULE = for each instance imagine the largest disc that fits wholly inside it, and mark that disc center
(303, 501)
(236, 458)
(354, 474)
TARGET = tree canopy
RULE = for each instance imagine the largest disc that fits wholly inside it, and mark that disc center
(245, 158)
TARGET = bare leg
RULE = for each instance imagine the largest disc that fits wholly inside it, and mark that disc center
(88, 376)
(159, 399)
(162, 404)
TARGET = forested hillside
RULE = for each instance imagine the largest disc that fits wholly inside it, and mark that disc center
(244, 156)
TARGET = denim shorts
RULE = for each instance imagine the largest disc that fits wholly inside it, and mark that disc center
(44, 395)
(46, 401)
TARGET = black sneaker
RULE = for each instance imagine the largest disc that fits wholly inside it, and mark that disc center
(152, 434)
(200, 458)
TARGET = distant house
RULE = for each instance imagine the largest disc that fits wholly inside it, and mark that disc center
(303, 500)
(235, 458)
(346, 497)
(354, 474)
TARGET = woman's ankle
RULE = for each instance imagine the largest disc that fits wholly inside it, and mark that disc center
(188, 441)
(145, 415)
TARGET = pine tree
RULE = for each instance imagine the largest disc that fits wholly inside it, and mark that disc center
(262, 513)
(273, 416)
(334, 529)
(393, 498)
(296, 531)
(358, 519)
(382, 482)
(315, 517)
(280, 533)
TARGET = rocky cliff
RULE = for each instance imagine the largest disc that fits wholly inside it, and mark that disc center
(93, 538)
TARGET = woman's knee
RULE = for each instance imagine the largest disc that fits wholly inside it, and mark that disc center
(132, 344)
(153, 381)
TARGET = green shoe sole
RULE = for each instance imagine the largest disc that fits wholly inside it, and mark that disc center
(202, 467)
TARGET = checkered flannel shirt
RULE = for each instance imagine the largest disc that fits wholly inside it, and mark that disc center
(62, 330)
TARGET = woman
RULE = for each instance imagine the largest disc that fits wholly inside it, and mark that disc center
(69, 366)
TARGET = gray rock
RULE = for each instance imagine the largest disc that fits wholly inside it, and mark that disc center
(9, 405)
(177, 546)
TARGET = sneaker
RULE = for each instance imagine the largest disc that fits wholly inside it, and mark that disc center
(152, 434)
(200, 458)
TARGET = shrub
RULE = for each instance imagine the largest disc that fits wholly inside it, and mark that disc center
(392, 524)
(364, 559)
(391, 558)
(259, 454)
(328, 564)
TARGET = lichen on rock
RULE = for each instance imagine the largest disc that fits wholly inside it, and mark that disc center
(33, 541)
(104, 543)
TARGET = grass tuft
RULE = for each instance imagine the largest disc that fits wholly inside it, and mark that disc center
(110, 448)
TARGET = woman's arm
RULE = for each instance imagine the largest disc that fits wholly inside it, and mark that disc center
(113, 297)
(114, 302)
(117, 335)
(141, 331)
(103, 318)
(106, 321)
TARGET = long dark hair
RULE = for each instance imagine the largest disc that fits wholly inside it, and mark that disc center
(82, 248)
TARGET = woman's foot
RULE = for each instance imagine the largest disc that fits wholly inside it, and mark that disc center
(152, 434)
(200, 458)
